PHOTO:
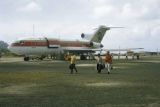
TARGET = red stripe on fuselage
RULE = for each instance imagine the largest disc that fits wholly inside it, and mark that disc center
(43, 43)
(30, 43)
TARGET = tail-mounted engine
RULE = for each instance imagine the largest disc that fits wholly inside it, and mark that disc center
(96, 45)
(86, 36)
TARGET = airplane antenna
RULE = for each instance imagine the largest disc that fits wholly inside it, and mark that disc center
(59, 37)
(33, 30)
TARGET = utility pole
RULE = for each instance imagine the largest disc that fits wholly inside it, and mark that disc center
(157, 52)
(119, 53)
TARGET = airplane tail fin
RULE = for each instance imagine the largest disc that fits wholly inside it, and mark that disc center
(97, 36)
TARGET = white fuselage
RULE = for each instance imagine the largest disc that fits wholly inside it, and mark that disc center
(44, 46)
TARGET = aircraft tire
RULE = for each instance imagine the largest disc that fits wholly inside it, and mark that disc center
(83, 57)
(26, 58)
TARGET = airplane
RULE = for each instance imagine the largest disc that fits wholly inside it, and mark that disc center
(41, 47)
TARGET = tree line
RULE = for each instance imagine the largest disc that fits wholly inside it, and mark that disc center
(3, 48)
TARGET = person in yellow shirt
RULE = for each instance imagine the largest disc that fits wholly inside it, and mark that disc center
(108, 60)
(73, 63)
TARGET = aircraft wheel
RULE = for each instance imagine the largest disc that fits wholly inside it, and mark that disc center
(26, 58)
(41, 58)
(83, 57)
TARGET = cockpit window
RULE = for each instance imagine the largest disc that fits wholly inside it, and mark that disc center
(21, 42)
(17, 42)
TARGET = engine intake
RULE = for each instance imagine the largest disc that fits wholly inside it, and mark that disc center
(82, 35)
(86, 36)
(96, 45)
(91, 44)
(101, 46)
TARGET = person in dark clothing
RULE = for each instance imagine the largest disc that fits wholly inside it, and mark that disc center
(99, 63)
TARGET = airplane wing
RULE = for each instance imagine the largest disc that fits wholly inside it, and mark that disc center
(100, 49)
(125, 49)
(81, 51)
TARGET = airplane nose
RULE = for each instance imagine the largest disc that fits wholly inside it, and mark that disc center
(10, 48)
(14, 49)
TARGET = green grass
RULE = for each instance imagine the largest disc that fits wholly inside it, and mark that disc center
(50, 84)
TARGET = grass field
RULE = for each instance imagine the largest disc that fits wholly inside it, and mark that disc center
(131, 83)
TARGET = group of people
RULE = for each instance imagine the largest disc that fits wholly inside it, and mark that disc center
(100, 63)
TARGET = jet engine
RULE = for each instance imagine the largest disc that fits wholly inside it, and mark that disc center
(96, 45)
(86, 36)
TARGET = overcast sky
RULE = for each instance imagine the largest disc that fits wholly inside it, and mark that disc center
(70, 18)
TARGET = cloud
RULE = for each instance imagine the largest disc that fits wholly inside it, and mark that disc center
(129, 12)
(140, 12)
(30, 7)
(72, 17)
(104, 11)
(126, 10)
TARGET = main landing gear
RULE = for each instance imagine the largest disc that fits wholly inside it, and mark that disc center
(26, 58)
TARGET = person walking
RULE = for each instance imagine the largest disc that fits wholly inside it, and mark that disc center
(73, 63)
(99, 63)
(108, 60)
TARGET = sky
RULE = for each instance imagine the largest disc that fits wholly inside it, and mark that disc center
(69, 18)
